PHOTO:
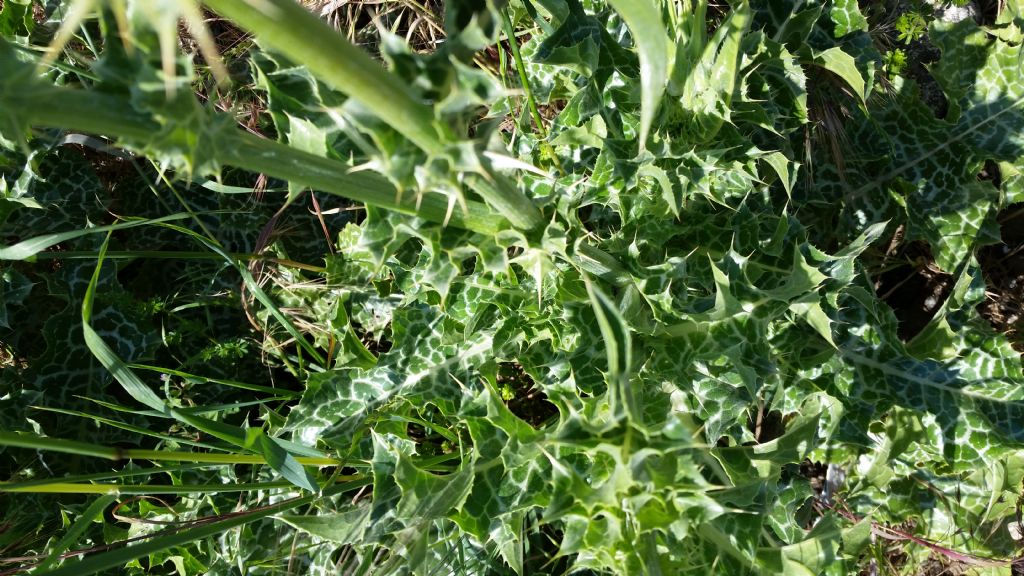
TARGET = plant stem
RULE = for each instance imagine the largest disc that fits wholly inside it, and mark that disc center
(117, 489)
(173, 456)
(545, 146)
(280, 161)
(174, 255)
(221, 381)
(113, 453)
(113, 116)
(110, 115)
(510, 33)
(286, 26)
(130, 473)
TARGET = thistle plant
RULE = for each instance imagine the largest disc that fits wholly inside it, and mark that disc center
(616, 341)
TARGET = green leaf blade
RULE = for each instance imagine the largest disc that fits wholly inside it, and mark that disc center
(644, 20)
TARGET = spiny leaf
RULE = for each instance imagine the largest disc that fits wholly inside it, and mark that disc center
(843, 65)
(619, 352)
(341, 528)
(847, 17)
(644, 20)
(281, 461)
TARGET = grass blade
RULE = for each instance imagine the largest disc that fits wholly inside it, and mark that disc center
(125, 426)
(129, 473)
(75, 532)
(131, 383)
(121, 556)
(118, 489)
(221, 381)
(284, 463)
(254, 287)
(34, 442)
(29, 248)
